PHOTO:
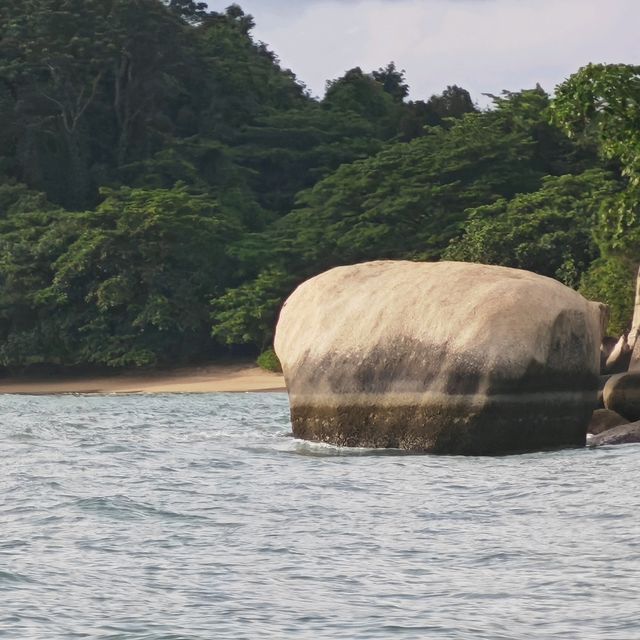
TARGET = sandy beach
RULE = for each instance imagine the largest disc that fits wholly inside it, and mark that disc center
(203, 379)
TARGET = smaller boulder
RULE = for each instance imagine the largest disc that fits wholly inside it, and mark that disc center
(634, 359)
(619, 357)
(604, 419)
(621, 394)
(624, 434)
(606, 348)
(602, 381)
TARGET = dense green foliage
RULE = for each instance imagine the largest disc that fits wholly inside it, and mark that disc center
(602, 102)
(165, 183)
(549, 231)
(269, 361)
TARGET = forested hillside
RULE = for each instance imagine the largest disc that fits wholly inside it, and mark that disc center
(165, 183)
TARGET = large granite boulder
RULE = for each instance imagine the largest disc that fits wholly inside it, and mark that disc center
(444, 357)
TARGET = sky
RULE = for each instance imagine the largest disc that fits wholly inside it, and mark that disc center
(485, 46)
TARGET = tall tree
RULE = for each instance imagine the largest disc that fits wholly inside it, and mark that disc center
(54, 55)
(153, 59)
(549, 231)
(89, 80)
(240, 80)
(189, 10)
(453, 102)
(393, 81)
(358, 92)
(126, 284)
(604, 101)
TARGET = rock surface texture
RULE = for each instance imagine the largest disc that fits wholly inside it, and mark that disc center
(619, 356)
(621, 394)
(623, 434)
(604, 419)
(447, 357)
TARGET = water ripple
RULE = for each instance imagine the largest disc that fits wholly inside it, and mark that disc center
(175, 517)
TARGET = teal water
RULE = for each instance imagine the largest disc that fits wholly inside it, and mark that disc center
(199, 516)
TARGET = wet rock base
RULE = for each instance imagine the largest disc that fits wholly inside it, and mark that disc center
(492, 427)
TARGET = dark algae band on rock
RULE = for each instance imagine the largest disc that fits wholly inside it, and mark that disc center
(450, 358)
(500, 425)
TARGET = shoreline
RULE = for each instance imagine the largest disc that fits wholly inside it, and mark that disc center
(227, 378)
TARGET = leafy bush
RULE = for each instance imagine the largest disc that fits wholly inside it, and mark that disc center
(549, 231)
(612, 280)
(269, 361)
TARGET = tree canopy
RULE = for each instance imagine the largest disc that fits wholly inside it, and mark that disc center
(165, 183)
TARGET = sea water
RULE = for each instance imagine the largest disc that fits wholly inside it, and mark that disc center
(199, 516)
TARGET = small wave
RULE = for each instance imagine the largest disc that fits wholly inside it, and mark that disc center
(163, 528)
(13, 578)
(325, 450)
(124, 508)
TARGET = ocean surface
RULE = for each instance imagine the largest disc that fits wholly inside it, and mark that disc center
(199, 516)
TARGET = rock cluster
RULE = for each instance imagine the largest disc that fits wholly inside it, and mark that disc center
(617, 421)
(444, 357)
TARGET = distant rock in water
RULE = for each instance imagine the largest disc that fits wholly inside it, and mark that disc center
(446, 357)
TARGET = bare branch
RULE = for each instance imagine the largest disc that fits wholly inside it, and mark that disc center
(90, 99)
